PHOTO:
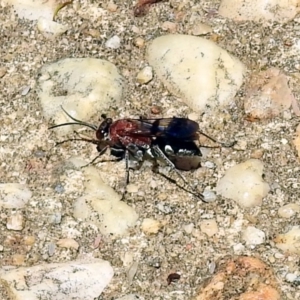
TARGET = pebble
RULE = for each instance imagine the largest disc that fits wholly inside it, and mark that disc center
(253, 236)
(3, 71)
(289, 242)
(296, 141)
(145, 75)
(90, 85)
(246, 269)
(196, 69)
(151, 226)
(113, 43)
(139, 42)
(33, 10)
(14, 195)
(188, 228)
(25, 90)
(29, 240)
(243, 183)
(18, 259)
(15, 222)
(209, 196)
(132, 188)
(84, 280)
(169, 26)
(112, 7)
(257, 10)
(201, 29)
(289, 210)
(267, 95)
(101, 206)
(51, 29)
(55, 218)
(209, 227)
(67, 243)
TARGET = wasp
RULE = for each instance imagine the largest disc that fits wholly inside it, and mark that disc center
(172, 140)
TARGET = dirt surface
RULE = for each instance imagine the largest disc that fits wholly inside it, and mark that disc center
(28, 153)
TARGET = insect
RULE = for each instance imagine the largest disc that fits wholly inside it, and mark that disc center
(171, 140)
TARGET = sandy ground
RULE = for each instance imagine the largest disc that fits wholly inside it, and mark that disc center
(29, 154)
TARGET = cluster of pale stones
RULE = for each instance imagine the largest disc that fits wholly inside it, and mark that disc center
(205, 77)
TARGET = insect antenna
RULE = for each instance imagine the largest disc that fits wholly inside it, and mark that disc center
(77, 122)
(226, 145)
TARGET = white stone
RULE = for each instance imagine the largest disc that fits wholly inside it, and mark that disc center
(14, 195)
(209, 227)
(288, 210)
(88, 85)
(253, 236)
(188, 228)
(259, 10)
(113, 43)
(50, 29)
(196, 69)
(81, 280)
(15, 222)
(151, 226)
(243, 183)
(101, 206)
(67, 243)
(34, 9)
(145, 75)
(289, 242)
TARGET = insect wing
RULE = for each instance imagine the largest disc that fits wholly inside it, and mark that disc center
(176, 128)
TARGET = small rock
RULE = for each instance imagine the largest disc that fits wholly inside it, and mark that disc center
(209, 196)
(82, 280)
(51, 29)
(51, 249)
(169, 26)
(296, 141)
(67, 243)
(267, 95)
(196, 69)
(259, 281)
(209, 227)
(256, 10)
(29, 240)
(289, 242)
(253, 236)
(18, 259)
(101, 206)
(151, 226)
(33, 10)
(132, 188)
(112, 7)
(113, 43)
(139, 42)
(201, 29)
(244, 184)
(3, 71)
(14, 195)
(145, 75)
(288, 210)
(188, 228)
(86, 85)
(15, 222)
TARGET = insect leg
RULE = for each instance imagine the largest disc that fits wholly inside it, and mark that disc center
(160, 154)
